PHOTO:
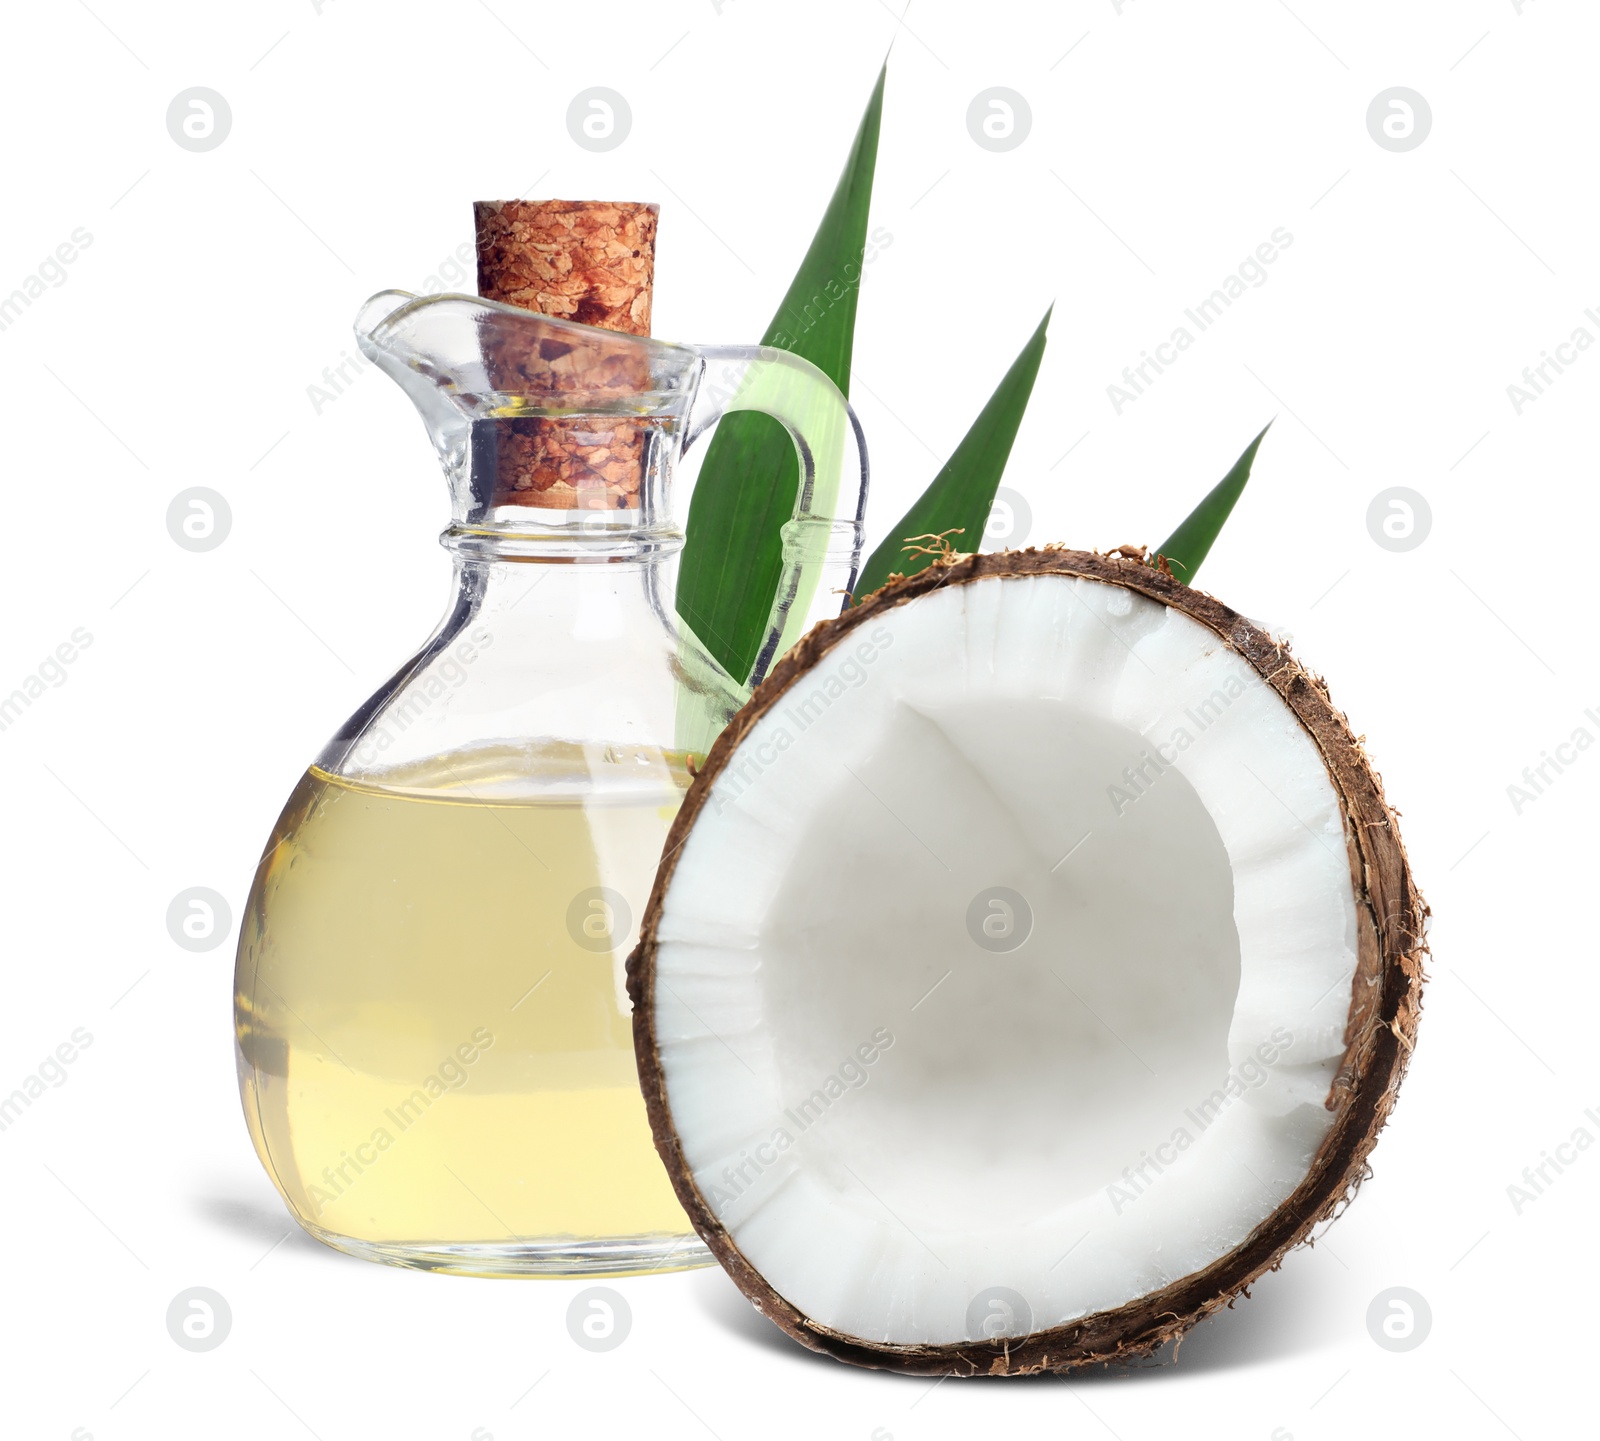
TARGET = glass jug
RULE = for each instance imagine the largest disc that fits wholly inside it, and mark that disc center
(433, 1035)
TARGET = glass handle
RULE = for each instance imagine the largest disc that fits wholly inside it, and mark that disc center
(822, 540)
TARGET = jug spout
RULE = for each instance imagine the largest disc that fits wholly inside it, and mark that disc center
(529, 412)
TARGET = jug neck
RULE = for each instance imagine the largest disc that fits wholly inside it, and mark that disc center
(624, 518)
(557, 438)
(566, 538)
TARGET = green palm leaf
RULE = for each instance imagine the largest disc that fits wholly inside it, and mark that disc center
(962, 494)
(728, 574)
(1191, 542)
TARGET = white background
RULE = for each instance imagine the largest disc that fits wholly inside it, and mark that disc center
(1167, 142)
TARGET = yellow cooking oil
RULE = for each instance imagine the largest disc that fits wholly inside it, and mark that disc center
(434, 1038)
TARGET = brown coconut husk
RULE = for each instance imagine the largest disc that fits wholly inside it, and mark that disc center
(1384, 1007)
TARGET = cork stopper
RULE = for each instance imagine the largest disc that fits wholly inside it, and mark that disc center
(593, 262)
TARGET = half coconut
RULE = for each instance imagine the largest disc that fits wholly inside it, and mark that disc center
(1033, 963)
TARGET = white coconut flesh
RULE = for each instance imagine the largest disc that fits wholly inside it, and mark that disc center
(896, 1110)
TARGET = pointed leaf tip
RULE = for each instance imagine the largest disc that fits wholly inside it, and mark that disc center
(1188, 546)
(962, 494)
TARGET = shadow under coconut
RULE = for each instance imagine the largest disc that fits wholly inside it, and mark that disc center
(1288, 1313)
(726, 1305)
(1292, 1312)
